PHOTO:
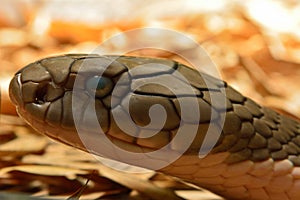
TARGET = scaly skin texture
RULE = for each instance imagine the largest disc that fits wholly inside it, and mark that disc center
(256, 155)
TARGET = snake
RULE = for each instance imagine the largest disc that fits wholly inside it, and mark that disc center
(254, 154)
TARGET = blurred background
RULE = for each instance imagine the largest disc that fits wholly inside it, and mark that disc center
(255, 45)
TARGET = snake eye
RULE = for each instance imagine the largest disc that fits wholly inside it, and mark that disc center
(99, 85)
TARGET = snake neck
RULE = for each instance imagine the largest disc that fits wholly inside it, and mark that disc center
(248, 180)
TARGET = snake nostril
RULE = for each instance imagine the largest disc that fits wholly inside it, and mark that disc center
(41, 94)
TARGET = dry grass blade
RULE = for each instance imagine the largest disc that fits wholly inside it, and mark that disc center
(259, 77)
(79, 192)
(145, 187)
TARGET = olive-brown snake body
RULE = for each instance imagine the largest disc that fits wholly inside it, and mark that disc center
(257, 155)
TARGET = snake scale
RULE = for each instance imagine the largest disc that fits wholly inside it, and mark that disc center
(257, 155)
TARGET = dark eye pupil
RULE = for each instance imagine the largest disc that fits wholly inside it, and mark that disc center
(99, 86)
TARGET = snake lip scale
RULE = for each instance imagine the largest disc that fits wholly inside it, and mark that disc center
(256, 156)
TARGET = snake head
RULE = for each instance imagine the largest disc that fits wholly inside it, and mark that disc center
(42, 91)
(48, 93)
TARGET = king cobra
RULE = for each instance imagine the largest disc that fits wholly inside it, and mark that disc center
(255, 156)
